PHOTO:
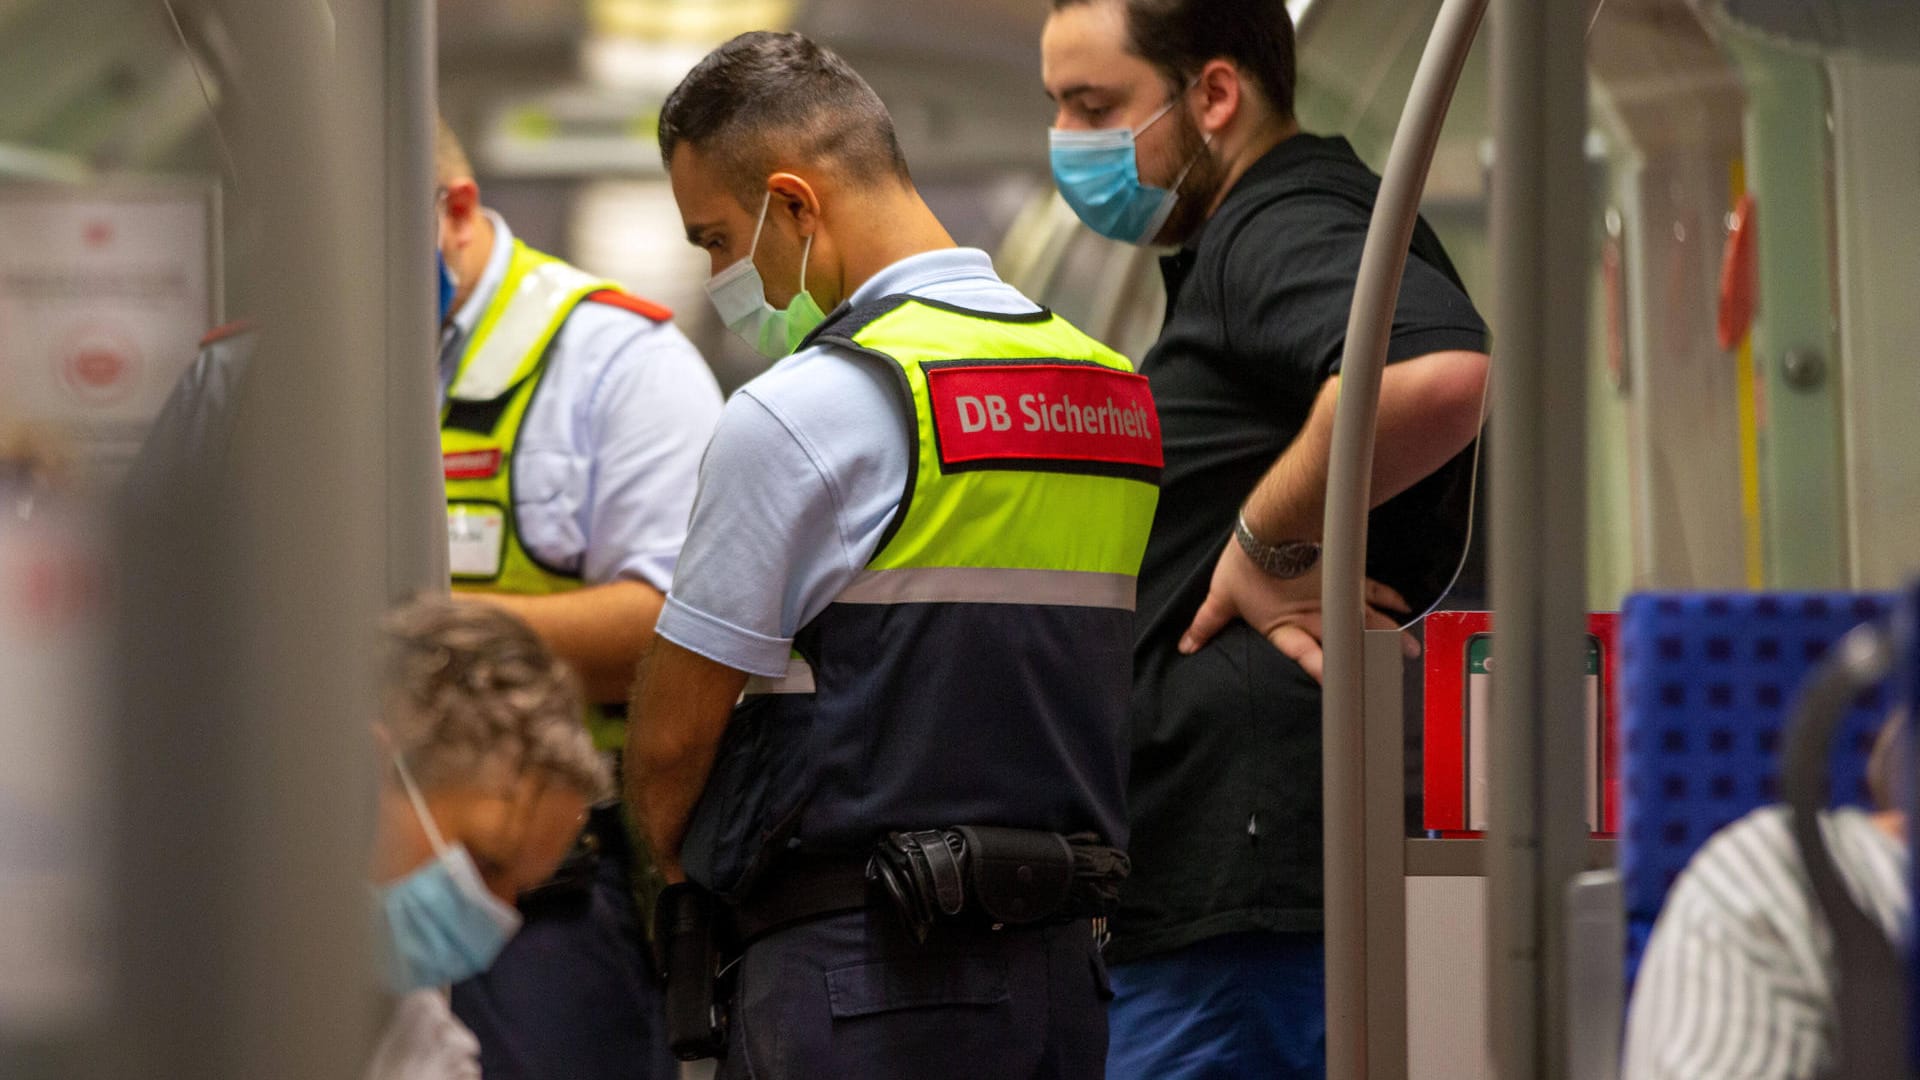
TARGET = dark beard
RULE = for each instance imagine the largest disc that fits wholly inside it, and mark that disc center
(1196, 190)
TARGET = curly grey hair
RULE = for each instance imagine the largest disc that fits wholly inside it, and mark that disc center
(472, 693)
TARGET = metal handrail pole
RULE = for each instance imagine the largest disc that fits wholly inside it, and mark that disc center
(416, 488)
(1349, 497)
(1541, 216)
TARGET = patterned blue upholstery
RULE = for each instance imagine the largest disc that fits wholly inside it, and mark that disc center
(1706, 683)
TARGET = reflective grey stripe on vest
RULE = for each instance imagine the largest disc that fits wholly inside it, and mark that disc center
(977, 585)
(797, 680)
(529, 312)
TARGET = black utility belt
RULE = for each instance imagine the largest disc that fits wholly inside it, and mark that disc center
(968, 875)
(979, 876)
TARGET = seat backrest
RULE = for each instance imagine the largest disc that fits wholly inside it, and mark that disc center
(1707, 681)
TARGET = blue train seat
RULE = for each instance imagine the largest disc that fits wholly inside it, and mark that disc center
(1707, 681)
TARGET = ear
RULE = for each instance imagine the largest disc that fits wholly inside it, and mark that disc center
(460, 211)
(1221, 90)
(794, 197)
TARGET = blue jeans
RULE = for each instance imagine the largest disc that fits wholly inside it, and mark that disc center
(1238, 1005)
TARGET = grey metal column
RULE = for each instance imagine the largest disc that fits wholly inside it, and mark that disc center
(1349, 497)
(245, 771)
(1541, 211)
(416, 488)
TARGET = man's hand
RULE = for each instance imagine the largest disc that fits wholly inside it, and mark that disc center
(1285, 612)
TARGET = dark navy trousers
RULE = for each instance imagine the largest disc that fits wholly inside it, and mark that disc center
(853, 997)
(573, 997)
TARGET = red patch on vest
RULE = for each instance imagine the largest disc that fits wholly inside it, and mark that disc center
(644, 308)
(471, 464)
(1076, 417)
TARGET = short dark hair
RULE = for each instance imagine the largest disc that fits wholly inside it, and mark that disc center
(768, 96)
(1179, 36)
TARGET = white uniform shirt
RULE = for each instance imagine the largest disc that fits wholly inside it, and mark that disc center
(425, 1041)
(609, 453)
(1737, 981)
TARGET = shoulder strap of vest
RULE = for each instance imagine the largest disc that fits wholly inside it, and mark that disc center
(846, 321)
(843, 322)
(626, 301)
(532, 301)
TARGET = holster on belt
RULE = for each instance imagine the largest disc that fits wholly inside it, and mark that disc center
(997, 876)
(690, 954)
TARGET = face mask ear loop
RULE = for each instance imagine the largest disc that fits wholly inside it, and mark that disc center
(1165, 109)
(1206, 140)
(420, 806)
(804, 253)
(765, 202)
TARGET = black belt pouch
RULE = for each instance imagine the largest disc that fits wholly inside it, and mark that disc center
(1018, 875)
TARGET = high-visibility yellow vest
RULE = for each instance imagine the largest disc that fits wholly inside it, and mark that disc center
(498, 377)
(977, 671)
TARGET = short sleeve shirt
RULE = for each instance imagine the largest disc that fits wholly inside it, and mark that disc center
(606, 461)
(805, 473)
(1225, 789)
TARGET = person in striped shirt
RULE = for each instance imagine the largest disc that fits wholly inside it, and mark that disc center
(1738, 980)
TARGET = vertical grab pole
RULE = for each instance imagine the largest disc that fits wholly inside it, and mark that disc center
(1349, 497)
(1541, 213)
(416, 491)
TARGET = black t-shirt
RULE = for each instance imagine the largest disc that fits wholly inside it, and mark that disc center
(1225, 789)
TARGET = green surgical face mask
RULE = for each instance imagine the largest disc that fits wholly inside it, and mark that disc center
(740, 296)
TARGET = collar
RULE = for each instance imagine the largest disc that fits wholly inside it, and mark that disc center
(1286, 155)
(924, 270)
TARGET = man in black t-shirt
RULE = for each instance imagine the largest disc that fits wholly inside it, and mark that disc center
(1175, 127)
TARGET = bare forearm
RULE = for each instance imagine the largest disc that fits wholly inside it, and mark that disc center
(1430, 410)
(601, 630)
(680, 711)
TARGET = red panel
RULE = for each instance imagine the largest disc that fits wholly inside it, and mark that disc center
(1446, 714)
(1448, 632)
(1605, 625)
(1044, 412)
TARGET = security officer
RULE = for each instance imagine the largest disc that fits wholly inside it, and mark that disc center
(573, 421)
(913, 550)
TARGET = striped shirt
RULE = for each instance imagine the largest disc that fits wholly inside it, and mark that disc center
(1737, 979)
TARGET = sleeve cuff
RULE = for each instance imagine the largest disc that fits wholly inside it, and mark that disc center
(1406, 346)
(722, 642)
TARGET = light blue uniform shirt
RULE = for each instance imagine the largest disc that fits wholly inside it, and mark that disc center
(608, 457)
(805, 471)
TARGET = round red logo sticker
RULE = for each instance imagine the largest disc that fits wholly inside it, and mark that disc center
(98, 366)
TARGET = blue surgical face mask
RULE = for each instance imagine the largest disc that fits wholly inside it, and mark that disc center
(444, 925)
(740, 296)
(446, 285)
(1098, 173)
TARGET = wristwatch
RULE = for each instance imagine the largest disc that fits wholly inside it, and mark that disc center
(1285, 560)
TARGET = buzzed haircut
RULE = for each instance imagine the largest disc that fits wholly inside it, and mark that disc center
(769, 99)
(1179, 37)
(449, 157)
